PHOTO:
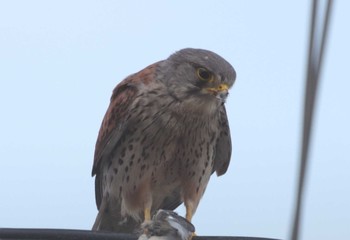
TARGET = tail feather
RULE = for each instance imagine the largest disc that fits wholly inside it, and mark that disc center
(109, 219)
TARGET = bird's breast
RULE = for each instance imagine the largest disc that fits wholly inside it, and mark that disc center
(163, 150)
(178, 142)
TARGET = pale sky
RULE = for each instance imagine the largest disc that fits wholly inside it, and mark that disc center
(60, 60)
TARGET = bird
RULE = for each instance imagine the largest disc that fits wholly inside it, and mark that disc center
(167, 225)
(165, 132)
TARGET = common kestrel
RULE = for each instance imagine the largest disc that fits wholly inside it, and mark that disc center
(163, 135)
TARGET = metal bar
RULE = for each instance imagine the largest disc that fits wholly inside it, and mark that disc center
(70, 234)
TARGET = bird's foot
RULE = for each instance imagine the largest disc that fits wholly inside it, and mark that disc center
(192, 236)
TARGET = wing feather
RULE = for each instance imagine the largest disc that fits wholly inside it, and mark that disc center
(223, 145)
(111, 130)
(115, 121)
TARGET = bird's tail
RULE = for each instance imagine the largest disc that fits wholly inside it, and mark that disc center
(110, 219)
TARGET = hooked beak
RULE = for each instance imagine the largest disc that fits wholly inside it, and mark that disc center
(220, 92)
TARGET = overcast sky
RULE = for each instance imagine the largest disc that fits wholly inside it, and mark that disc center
(60, 60)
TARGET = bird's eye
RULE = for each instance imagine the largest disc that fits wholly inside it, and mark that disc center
(204, 74)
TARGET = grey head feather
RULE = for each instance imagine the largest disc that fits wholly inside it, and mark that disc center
(178, 73)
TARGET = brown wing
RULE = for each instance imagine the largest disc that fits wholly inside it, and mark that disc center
(223, 145)
(115, 121)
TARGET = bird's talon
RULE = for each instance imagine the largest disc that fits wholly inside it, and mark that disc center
(192, 235)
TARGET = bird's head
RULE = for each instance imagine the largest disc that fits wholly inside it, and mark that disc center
(199, 76)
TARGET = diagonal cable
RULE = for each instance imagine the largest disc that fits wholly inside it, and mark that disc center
(315, 59)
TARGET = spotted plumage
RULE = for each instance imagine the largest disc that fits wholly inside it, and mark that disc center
(163, 135)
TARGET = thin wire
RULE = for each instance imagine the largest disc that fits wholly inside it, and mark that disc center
(325, 34)
(315, 60)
